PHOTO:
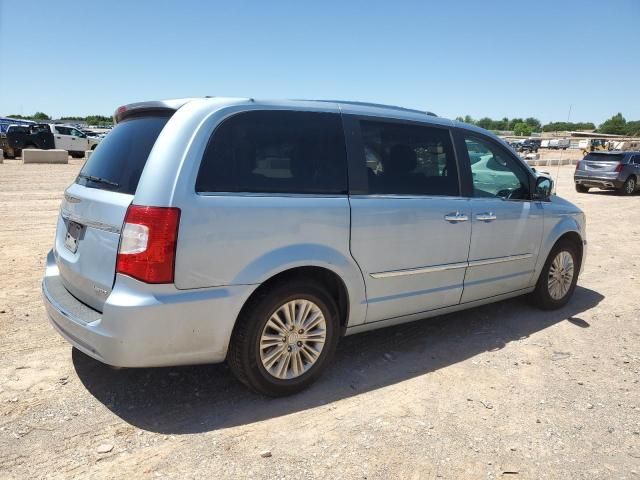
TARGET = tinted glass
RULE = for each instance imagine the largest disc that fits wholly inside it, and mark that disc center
(122, 155)
(276, 152)
(408, 159)
(495, 173)
(604, 157)
(636, 159)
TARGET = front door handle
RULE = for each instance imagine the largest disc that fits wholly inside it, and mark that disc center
(456, 217)
(486, 216)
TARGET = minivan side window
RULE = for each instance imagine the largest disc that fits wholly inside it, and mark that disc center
(495, 173)
(276, 152)
(409, 159)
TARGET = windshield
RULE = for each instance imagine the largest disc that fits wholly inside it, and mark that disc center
(118, 161)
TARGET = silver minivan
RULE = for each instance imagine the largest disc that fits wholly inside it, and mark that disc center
(260, 232)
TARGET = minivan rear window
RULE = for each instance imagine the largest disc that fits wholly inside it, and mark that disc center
(604, 157)
(119, 159)
(276, 152)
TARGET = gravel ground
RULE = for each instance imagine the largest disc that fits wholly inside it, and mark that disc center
(501, 391)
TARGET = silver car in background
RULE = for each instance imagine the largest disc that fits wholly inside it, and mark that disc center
(609, 171)
(260, 232)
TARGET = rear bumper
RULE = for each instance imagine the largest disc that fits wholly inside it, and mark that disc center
(599, 182)
(146, 325)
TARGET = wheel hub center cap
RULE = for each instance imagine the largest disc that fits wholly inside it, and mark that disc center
(293, 338)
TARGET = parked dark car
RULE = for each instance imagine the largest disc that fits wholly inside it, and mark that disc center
(608, 170)
(529, 146)
(37, 135)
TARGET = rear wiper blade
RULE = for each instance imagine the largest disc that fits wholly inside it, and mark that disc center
(95, 179)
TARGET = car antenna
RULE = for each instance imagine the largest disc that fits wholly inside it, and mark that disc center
(561, 155)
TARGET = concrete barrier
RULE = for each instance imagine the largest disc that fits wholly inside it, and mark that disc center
(537, 162)
(87, 154)
(32, 155)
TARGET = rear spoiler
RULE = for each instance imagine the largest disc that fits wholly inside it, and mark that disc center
(152, 107)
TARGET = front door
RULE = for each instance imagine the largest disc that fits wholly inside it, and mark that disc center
(506, 226)
(63, 138)
(410, 228)
(79, 142)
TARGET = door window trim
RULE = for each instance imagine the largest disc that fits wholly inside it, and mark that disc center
(357, 166)
(465, 162)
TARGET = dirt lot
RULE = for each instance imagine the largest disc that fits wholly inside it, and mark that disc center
(502, 391)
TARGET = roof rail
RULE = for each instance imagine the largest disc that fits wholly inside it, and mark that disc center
(377, 105)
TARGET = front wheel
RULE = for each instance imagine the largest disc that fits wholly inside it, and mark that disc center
(629, 186)
(284, 338)
(558, 278)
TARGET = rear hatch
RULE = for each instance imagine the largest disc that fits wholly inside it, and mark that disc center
(94, 207)
(600, 164)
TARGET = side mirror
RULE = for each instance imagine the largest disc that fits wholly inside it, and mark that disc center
(544, 187)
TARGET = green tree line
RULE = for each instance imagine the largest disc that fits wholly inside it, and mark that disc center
(90, 119)
(616, 125)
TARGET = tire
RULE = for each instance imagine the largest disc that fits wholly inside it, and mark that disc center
(547, 297)
(76, 154)
(253, 365)
(629, 186)
(582, 188)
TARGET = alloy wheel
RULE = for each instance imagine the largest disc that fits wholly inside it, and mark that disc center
(292, 339)
(631, 186)
(560, 276)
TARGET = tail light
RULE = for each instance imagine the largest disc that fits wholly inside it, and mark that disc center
(148, 242)
(619, 168)
(578, 165)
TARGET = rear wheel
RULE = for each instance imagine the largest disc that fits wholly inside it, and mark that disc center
(76, 154)
(284, 338)
(558, 278)
(629, 186)
(581, 188)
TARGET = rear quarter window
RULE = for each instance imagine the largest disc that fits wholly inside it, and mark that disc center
(276, 152)
(119, 159)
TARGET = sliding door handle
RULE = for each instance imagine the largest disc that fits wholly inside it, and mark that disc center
(456, 217)
(486, 216)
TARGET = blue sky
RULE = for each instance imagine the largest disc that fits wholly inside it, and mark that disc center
(483, 58)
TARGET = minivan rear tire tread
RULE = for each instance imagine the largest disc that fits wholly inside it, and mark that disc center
(540, 297)
(243, 355)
